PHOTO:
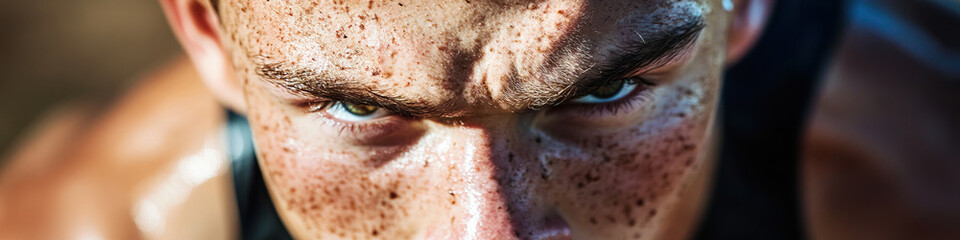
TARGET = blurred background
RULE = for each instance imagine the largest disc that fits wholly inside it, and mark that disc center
(59, 50)
(885, 128)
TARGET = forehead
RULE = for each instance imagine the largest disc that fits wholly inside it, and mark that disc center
(440, 48)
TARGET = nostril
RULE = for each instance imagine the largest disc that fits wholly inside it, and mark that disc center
(554, 228)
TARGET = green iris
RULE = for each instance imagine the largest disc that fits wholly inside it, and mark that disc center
(360, 110)
(609, 90)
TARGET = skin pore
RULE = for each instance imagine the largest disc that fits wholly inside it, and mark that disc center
(479, 119)
(474, 129)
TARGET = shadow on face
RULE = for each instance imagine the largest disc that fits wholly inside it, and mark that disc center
(490, 119)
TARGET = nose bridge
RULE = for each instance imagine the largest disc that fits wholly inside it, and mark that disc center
(482, 152)
(484, 200)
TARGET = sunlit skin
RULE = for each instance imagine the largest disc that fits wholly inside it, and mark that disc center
(479, 127)
(501, 143)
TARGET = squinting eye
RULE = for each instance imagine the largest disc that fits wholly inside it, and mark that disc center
(611, 92)
(351, 112)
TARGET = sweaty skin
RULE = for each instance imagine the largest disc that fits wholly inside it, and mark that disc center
(490, 159)
(478, 163)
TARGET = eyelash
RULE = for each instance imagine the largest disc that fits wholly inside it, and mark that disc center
(638, 95)
(343, 128)
(391, 122)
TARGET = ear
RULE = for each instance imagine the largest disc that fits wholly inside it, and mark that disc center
(748, 19)
(196, 25)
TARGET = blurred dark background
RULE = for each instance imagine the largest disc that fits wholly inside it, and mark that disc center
(55, 52)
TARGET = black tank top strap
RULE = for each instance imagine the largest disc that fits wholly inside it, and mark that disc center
(258, 218)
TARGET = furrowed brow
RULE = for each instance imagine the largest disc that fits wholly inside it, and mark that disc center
(640, 54)
(308, 82)
(631, 56)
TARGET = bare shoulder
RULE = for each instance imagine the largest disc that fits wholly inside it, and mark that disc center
(881, 153)
(125, 171)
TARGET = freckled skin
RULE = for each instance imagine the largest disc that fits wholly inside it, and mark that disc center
(492, 170)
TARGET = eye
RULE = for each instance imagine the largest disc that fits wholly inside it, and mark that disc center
(351, 112)
(611, 92)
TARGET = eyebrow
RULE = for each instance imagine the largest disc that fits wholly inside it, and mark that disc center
(630, 56)
(637, 54)
(320, 85)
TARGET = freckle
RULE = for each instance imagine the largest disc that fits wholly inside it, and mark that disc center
(393, 195)
(538, 140)
(653, 212)
(593, 221)
(640, 202)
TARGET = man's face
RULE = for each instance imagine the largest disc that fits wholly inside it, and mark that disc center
(478, 118)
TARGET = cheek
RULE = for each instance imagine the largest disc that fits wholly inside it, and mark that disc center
(321, 195)
(627, 180)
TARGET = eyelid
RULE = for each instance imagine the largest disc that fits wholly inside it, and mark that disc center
(586, 91)
(663, 65)
(667, 63)
(317, 106)
(359, 132)
(640, 93)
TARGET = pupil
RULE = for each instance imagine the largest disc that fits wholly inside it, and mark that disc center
(609, 90)
(359, 110)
